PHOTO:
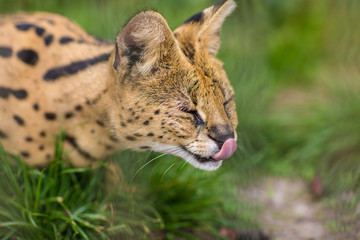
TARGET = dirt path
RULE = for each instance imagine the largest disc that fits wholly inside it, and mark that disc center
(288, 210)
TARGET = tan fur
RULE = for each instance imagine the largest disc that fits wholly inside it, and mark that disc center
(144, 97)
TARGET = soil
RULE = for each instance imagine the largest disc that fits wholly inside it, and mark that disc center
(289, 211)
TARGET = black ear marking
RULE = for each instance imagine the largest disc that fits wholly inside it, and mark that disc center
(196, 18)
(219, 4)
(133, 53)
(116, 58)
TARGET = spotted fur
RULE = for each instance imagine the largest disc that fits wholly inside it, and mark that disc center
(152, 89)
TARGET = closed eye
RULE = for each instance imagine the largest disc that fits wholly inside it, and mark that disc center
(226, 108)
(198, 121)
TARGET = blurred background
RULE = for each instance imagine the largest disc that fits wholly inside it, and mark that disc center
(295, 68)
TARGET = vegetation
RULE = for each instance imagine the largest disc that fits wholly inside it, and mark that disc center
(294, 65)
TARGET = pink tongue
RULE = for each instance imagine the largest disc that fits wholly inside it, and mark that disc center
(226, 151)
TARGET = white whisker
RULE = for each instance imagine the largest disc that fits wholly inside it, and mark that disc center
(240, 148)
(161, 155)
(162, 177)
(186, 161)
(143, 159)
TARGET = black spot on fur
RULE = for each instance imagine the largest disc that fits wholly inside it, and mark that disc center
(19, 94)
(96, 99)
(4, 92)
(19, 120)
(145, 147)
(78, 107)
(150, 134)
(5, 52)
(50, 116)
(25, 154)
(137, 117)
(114, 139)
(198, 17)
(42, 134)
(160, 137)
(123, 124)
(2, 135)
(146, 122)
(92, 131)
(55, 73)
(72, 141)
(109, 147)
(157, 112)
(65, 40)
(28, 139)
(39, 31)
(100, 123)
(48, 156)
(41, 147)
(28, 56)
(48, 39)
(36, 107)
(129, 120)
(24, 26)
(130, 138)
(137, 135)
(69, 115)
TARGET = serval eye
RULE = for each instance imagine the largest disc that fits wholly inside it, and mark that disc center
(197, 119)
(226, 107)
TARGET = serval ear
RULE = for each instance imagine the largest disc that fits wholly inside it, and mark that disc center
(204, 27)
(144, 42)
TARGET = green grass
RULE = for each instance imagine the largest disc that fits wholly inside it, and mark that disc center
(61, 202)
(294, 66)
